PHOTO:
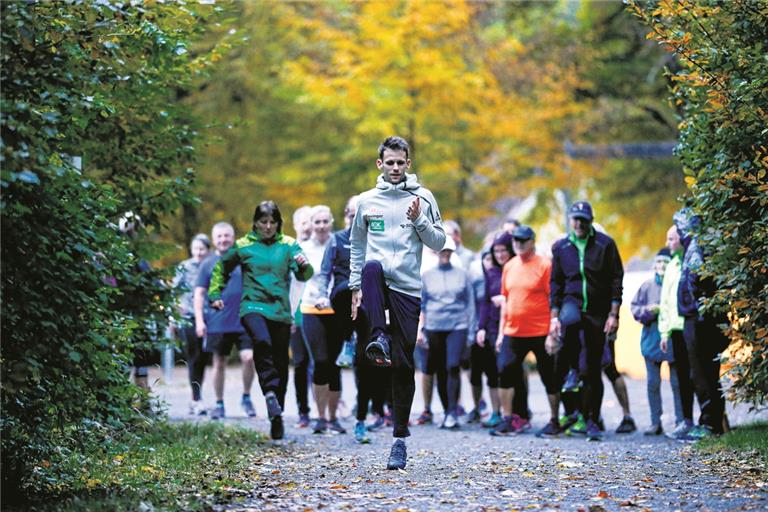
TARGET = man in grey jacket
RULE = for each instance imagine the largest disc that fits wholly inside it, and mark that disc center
(393, 222)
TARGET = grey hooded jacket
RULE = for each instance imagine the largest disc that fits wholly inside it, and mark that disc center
(382, 232)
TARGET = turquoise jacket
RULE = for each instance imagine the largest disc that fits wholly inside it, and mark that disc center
(267, 268)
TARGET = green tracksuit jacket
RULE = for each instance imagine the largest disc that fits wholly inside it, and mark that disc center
(266, 271)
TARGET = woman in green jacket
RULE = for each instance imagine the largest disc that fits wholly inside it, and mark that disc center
(267, 258)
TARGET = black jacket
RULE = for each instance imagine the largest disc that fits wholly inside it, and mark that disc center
(603, 274)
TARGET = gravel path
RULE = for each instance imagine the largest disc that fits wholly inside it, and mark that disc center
(470, 470)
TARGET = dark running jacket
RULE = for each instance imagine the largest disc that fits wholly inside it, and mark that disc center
(592, 284)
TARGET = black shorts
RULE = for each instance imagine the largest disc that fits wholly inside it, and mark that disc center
(221, 344)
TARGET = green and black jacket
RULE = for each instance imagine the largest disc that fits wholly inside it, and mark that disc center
(267, 268)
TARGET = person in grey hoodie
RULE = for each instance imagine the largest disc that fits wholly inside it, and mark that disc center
(392, 224)
(448, 326)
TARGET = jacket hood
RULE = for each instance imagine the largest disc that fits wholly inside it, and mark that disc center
(504, 239)
(686, 223)
(410, 183)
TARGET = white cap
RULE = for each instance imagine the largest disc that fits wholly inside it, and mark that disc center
(450, 245)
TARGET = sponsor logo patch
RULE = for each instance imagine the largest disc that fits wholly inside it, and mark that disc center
(376, 225)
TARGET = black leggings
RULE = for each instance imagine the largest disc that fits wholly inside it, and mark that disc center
(196, 359)
(324, 345)
(683, 370)
(445, 350)
(270, 352)
(511, 357)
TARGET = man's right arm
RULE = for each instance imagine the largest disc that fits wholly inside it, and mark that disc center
(358, 244)
(556, 283)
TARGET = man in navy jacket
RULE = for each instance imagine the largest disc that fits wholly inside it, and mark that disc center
(586, 286)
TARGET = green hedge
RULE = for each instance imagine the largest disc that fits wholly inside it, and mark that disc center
(721, 93)
(97, 81)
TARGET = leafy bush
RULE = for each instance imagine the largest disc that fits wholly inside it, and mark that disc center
(722, 94)
(92, 83)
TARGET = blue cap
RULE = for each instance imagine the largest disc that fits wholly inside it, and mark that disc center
(581, 210)
(523, 233)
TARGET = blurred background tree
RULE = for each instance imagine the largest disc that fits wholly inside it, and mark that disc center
(488, 93)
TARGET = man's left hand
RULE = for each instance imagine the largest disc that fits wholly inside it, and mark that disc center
(611, 325)
(414, 210)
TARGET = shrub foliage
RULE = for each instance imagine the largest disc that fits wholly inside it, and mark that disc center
(90, 130)
(722, 95)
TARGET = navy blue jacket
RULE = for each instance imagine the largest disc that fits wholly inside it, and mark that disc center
(603, 274)
(336, 263)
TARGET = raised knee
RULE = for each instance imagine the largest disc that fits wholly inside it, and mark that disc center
(372, 266)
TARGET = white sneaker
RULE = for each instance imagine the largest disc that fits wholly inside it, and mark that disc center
(196, 408)
(450, 422)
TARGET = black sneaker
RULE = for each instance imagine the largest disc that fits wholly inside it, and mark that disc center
(277, 430)
(398, 455)
(593, 431)
(627, 426)
(320, 426)
(377, 351)
(273, 406)
(551, 429)
(504, 428)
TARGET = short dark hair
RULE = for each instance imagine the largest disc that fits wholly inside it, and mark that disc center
(395, 143)
(269, 208)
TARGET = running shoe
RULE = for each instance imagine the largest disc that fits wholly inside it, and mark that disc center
(346, 358)
(698, 433)
(277, 430)
(361, 434)
(593, 432)
(681, 430)
(376, 425)
(482, 405)
(473, 416)
(567, 420)
(579, 427)
(450, 422)
(377, 351)
(460, 411)
(196, 408)
(654, 430)
(398, 455)
(572, 382)
(335, 427)
(320, 426)
(493, 421)
(520, 424)
(551, 429)
(426, 418)
(217, 412)
(247, 406)
(627, 426)
(273, 405)
(504, 428)
(303, 421)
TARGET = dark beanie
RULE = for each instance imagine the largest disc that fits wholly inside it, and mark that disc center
(664, 253)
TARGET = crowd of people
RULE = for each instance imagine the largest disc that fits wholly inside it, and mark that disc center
(399, 282)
